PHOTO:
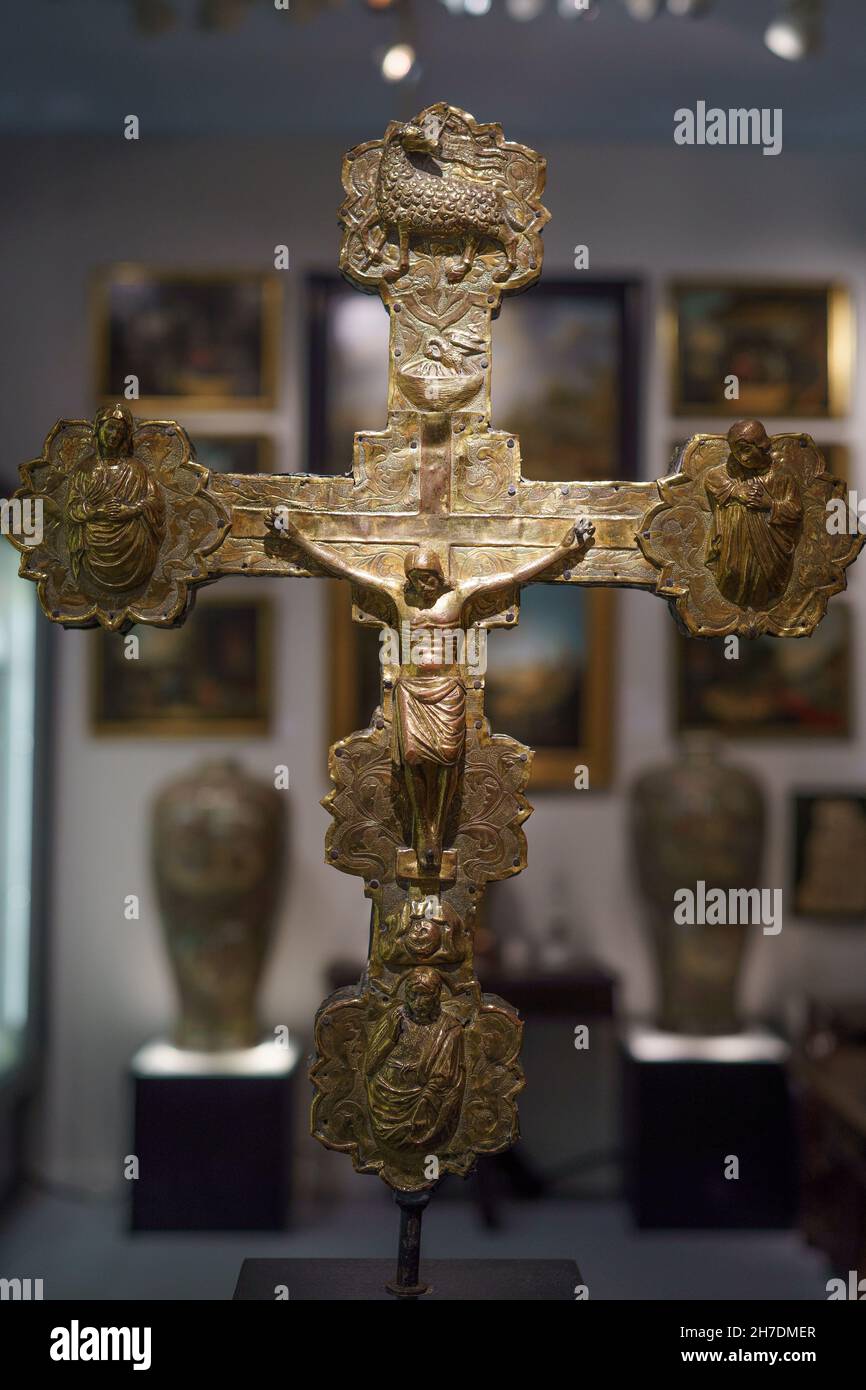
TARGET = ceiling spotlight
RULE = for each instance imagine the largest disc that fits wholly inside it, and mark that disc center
(796, 33)
(524, 9)
(476, 7)
(577, 9)
(643, 9)
(688, 9)
(398, 62)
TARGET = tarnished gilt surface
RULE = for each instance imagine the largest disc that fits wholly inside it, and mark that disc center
(417, 1070)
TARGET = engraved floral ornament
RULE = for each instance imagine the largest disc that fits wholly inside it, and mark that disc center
(127, 521)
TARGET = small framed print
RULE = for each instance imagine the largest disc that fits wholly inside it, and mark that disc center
(548, 682)
(210, 678)
(234, 453)
(830, 854)
(193, 340)
(774, 689)
(790, 348)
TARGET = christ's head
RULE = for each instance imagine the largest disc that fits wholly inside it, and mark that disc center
(424, 573)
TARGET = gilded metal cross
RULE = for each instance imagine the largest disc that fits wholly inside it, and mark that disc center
(436, 531)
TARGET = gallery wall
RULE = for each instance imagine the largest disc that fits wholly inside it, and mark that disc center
(653, 213)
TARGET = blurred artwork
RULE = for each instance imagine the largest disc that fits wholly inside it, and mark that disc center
(696, 819)
(773, 689)
(210, 678)
(234, 453)
(217, 851)
(197, 341)
(564, 377)
(549, 679)
(789, 346)
(830, 855)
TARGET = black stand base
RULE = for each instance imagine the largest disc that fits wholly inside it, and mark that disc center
(326, 1280)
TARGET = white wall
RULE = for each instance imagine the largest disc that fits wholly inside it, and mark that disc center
(75, 204)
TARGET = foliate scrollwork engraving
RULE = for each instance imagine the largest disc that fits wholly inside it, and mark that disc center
(741, 538)
(126, 522)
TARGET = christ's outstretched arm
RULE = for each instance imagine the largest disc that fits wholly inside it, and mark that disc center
(576, 538)
(280, 522)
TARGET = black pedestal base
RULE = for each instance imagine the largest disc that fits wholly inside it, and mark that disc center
(494, 1280)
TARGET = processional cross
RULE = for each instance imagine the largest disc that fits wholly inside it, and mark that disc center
(435, 529)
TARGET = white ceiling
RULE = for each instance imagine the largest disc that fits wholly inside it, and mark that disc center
(80, 65)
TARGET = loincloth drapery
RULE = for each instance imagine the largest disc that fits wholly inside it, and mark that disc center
(430, 719)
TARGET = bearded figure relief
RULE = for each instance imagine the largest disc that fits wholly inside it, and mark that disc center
(415, 1068)
(115, 515)
(757, 518)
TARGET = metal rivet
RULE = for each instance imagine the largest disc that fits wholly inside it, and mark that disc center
(511, 490)
(509, 617)
(511, 444)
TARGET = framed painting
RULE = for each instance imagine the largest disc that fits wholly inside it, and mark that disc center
(773, 689)
(210, 678)
(829, 854)
(565, 376)
(790, 347)
(549, 681)
(194, 340)
(234, 453)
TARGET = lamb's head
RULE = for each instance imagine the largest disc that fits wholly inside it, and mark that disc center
(422, 136)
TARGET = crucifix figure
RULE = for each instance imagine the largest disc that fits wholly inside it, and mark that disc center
(429, 702)
(436, 531)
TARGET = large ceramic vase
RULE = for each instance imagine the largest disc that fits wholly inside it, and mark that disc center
(217, 856)
(697, 818)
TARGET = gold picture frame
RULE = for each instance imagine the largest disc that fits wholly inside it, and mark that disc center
(210, 678)
(800, 369)
(244, 308)
(354, 672)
